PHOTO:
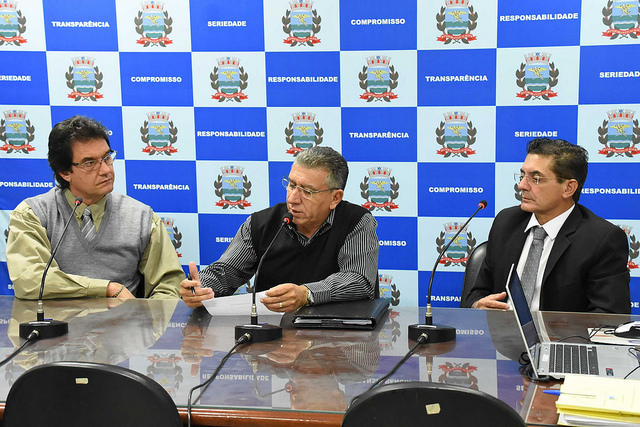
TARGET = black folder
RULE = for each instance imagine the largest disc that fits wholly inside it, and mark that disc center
(362, 314)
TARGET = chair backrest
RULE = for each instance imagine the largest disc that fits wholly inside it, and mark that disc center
(471, 270)
(88, 394)
(429, 404)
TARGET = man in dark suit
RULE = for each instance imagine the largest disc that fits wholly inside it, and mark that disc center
(583, 260)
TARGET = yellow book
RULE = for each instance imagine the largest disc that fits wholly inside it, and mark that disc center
(600, 397)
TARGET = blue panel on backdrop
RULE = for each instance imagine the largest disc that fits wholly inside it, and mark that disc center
(22, 178)
(216, 232)
(220, 26)
(165, 186)
(455, 189)
(156, 78)
(609, 74)
(381, 25)
(635, 295)
(379, 134)
(539, 23)
(446, 288)
(398, 243)
(240, 384)
(231, 133)
(110, 117)
(461, 77)
(278, 170)
(516, 126)
(78, 25)
(510, 386)
(302, 79)
(612, 190)
(5, 283)
(24, 78)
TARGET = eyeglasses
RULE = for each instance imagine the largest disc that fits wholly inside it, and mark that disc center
(305, 192)
(94, 164)
(535, 179)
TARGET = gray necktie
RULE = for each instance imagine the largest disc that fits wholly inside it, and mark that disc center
(88, 229)
(530, 273)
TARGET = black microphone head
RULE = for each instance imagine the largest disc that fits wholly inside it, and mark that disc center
(482, 204)
(287, 218)
(78, 201)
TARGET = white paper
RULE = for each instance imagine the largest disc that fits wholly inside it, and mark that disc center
(236, 305)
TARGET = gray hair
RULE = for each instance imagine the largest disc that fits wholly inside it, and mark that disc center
(329, 159)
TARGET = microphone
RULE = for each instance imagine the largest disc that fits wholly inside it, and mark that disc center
(262, 332)
(48, 328)
(439, 333)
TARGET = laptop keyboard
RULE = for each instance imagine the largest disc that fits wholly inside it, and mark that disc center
(573, 359)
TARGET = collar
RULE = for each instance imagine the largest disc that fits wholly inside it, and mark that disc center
(324, 227)
(552, 227)
(97, 209)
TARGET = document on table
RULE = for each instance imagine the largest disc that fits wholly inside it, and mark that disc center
(235, 305)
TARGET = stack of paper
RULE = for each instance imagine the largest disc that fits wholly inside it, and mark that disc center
(598, 401)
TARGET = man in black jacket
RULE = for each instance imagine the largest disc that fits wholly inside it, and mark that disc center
(583, 264)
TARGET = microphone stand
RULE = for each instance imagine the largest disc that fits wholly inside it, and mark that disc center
(48, 328)
(261, 332)
(439, 333)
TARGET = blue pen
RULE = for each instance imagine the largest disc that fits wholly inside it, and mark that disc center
(558, 393)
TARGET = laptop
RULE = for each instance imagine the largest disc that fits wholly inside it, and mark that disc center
(559, 359)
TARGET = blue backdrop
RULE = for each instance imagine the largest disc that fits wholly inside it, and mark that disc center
(431, 102)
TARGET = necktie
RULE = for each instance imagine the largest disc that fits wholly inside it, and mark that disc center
(88, 229)
(530, 273)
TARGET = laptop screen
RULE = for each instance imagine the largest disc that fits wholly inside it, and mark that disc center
(520, 306)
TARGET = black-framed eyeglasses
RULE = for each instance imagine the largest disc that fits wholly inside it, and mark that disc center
(305, 192)
(531, 179)
(94, 164)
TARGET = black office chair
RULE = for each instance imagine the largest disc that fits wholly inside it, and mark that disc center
(429, 404)
(88, 394)
(471, 270)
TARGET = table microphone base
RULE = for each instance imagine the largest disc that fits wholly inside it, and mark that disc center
(436, 333)
(46, 328)
(262, 332)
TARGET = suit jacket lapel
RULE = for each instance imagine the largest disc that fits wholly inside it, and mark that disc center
(562, 241)
(515, 243)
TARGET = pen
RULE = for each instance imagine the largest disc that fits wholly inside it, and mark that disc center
(558, 393)
(193, 290)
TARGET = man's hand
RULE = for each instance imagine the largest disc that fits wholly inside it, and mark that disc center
(193, 298)
(114, 287)
(285, 297)
(492, 301)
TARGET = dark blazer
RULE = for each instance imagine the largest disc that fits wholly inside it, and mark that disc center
(587, 267)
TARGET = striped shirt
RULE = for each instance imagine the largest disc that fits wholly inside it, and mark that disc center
(357, 263)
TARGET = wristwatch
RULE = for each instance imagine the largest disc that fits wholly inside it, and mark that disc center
(309, 297)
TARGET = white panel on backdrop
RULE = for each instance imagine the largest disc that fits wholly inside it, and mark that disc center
(360, 67)
(435, 233)
(232, 187)
(432, 14)
(162, 133)
(289, 128)
(538, 64)
(327, 13)
(385, 188)
(32, 123)
(460, 134)
(94, 77)
(610, 132)
(136, 18)
(249, 63)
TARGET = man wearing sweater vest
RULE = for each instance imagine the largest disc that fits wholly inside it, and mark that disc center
(115, 247)
(328, 253)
